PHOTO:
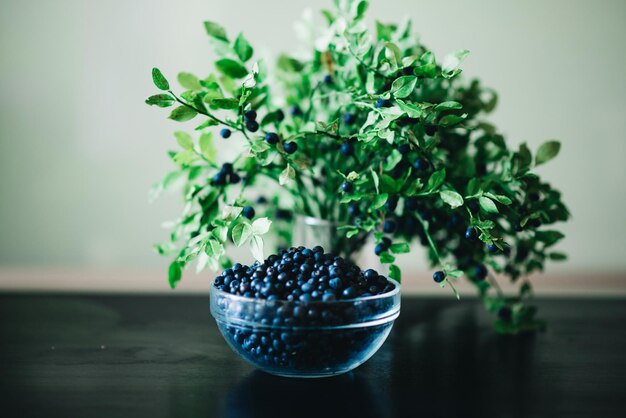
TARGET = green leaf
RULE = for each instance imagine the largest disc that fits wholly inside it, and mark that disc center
(403, 86)
(160, 100)
(256, 247)
(436, 179)
(387, 258)
(448, 106)
(207, 148)
(547, 151)
(487, 205)
(379, 200)
(241, 233)
(452, 198)
(400, 248)
(261, 226)
(451, 63)
(231, 68)
(451, 120)
(215, 30)
(225, 103)
(375, 179)
(392, 160)
(174, 274)
(286, 175)
(189, 81)
(549, 238)
(159, 80)
(182, 114)
(184, 140)
(242, 48)
(394, 273)
(185, 157)
(557, 256)
(455, 273)
(499, 198)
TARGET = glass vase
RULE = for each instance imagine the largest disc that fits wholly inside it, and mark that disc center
(309, 231)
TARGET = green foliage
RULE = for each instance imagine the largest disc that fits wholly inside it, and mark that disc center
(382, 113)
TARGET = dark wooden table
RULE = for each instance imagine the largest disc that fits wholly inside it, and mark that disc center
(158, 356)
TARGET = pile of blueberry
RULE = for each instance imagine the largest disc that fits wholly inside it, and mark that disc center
(304, 275)
(290, 332)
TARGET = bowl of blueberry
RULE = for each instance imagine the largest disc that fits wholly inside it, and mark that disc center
(304, 313)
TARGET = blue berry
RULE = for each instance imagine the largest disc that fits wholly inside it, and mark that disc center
(404, 149)
(347, 187)
(349, 292)
(480, 272)
(353, 209)
(296, 111)
(271, 138)
(335, 283)
(252, 125)
(290, 147)
(381, 103)
(347, 149)
(225, 133)
(492, 248)
(421, 165)
(439, 276)
(391, 204)
(234, 178)
(470, 233)
(349, 118)
(248, 212)
(473, 206)
(328, 79)
(430, 130)
(250, 115)
(370, 274)
(379, 249)
(389, 226)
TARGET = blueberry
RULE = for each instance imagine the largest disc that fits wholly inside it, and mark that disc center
(421, 165)
(382, 103)
(347, 149)
(252, 126)
(290, 147)
(328, 79)
(492, 248)
(305, 297)
(470, 233)
(347, 187)
(473, 206)
(439, 276)
(411, 204)
(296, 111)
(353, 209)
(248, 212)
(335, 283)
(389, 226)
(271, 138)
(430, 130)
(349, 118)
(404, 149)
(349, 292)
(250, 115)
(225, 133)
(328, 297)
(391, 204)
(235, 178)
(261, 200)
(505, 314)
(480, 272)
(370, 274)
(379, 249)
(386, 242)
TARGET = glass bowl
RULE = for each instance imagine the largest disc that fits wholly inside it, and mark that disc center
(297, 339)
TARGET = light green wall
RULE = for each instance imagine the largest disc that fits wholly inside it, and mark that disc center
(79, 149)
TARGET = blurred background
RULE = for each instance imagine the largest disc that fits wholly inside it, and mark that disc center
(79, 149)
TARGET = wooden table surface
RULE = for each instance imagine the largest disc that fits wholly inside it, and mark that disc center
(160, 356)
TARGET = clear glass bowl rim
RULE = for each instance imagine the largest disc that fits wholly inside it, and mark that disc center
(388, 316)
